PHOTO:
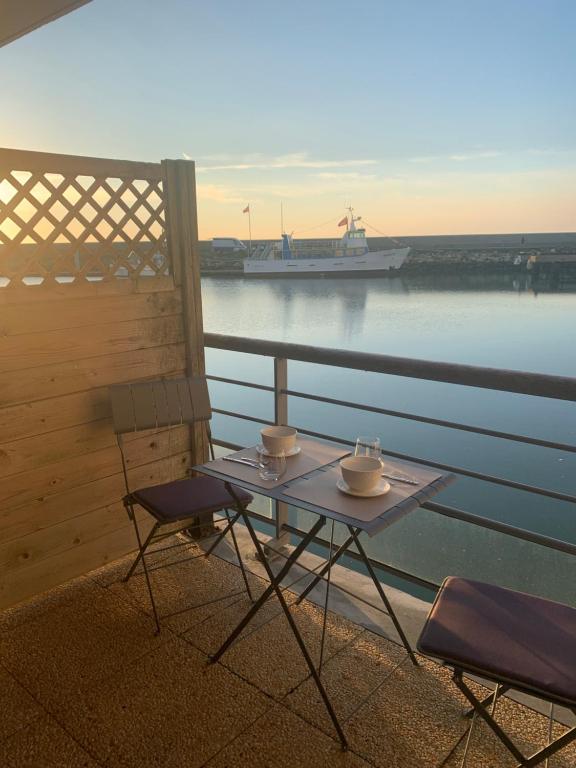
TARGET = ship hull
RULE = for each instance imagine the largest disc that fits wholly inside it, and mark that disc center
(371, 264)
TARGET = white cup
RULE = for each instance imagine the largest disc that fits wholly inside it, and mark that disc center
(361, 473)
(278, 439)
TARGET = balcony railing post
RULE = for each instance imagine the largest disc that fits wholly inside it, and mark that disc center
(282, 537)
(280, 387)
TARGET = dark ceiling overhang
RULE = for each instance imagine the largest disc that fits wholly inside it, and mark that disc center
(18, 17)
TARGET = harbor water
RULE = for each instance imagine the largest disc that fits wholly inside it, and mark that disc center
(493, 320)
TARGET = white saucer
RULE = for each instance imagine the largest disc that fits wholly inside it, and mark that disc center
(291, 452)
(378, 490)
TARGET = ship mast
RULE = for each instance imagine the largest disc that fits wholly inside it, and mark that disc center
(352, 226)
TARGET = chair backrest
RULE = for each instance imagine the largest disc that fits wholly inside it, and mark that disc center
(159, 403)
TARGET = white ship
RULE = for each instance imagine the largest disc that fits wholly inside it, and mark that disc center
(348, 256)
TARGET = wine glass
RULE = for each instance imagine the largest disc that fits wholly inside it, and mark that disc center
(368, 446)
(272, 467)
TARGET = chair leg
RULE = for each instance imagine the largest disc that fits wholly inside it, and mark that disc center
(488, 719)
(490, 700)
(141, 551)
(222, 533)
(239, 556)
(523, 762)
(229, 528)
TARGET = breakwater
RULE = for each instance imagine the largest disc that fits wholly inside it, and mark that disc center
(434, 253)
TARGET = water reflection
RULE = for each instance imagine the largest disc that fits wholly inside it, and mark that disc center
(493, 319)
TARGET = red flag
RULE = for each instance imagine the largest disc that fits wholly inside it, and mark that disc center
(247, 209)
(344, 222)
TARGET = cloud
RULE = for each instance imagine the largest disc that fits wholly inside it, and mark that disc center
(475, 156)
(280, 162)
(219, 194)
(314, 185)
(547, 151)
(346, 176)
(457, 158)
(480, 154)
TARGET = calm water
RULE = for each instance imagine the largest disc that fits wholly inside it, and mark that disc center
(490, 321)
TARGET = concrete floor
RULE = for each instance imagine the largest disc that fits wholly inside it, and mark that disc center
(84, 682)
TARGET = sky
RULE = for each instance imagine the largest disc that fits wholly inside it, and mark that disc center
(441, 117)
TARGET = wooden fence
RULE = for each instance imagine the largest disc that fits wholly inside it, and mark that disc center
(99, 284)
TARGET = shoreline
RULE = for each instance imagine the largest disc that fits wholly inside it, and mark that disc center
(419, 264)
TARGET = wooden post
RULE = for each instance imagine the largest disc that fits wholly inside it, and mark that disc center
(179, 179)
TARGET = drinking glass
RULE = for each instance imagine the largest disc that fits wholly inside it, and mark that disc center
(368, 446)
(272, 467)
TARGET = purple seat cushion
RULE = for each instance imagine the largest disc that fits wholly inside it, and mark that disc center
(181, 499)
(508, 636)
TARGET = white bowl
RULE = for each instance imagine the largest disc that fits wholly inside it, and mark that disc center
(278, 439)
(361, 473)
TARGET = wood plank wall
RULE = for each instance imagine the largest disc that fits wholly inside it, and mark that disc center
(61, 346)
(60, 471)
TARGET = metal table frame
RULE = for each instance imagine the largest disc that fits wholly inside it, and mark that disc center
(281, 493)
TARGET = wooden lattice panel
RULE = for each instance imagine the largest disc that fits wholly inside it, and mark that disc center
(64, 219)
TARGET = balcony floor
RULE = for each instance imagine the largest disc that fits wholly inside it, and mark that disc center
(85, 683)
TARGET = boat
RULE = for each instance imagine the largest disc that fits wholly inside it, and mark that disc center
(347, 257)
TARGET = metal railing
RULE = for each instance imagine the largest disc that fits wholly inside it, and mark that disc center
(539, 385)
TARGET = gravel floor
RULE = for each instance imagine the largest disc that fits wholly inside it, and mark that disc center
(85, 682)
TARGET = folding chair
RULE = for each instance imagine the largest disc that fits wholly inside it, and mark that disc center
(518, 641)
(175, 506)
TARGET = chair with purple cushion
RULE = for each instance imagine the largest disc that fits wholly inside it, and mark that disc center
(178, 505)
(518, 641)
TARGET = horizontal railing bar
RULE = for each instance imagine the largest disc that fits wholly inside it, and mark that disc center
(242, 416)
(519, 382)
(435, 422)
(240, 383)
(404, 415)
(449, 468)
(226, 444)
(457, 514)
(495, 525)
(468, 517)
(260, 517)
(494, 479)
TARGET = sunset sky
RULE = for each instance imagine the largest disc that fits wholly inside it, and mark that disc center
(428, 117)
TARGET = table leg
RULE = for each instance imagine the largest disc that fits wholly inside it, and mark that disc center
(275, 584)
(273, 579)
(327, 598)
(325, 568)
(379, 589)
